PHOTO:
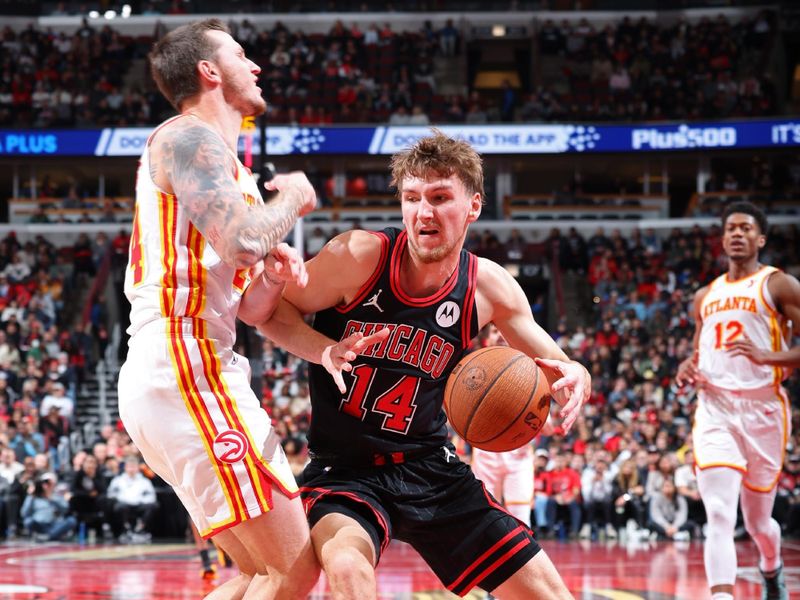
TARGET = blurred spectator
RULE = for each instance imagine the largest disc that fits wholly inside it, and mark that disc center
(45, 513)
(565, 483)
(88, 496)
(596, 486)
(133, 500)
(57, 398)
(669, 513)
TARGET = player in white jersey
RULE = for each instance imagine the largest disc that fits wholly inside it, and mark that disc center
(205, 249)
(507, 475)
(742, 422)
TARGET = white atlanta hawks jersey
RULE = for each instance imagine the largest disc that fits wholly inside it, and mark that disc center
(730, 311)
(172, 270)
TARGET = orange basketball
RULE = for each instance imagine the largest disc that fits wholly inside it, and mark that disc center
(497, 399)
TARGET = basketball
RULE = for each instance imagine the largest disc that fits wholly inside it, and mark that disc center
(497, 399)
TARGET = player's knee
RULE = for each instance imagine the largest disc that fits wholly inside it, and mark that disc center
(718, 513)
(347, 563)
(298, 584)
(758, 527)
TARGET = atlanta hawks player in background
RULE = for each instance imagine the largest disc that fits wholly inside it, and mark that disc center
(742, 421)
(507, 475)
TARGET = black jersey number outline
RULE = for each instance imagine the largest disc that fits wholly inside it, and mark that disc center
(397, 404)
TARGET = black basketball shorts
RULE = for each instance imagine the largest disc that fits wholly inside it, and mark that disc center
(435, 504)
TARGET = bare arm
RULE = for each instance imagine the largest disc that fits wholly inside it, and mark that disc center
(334, 276)
(283, 264)
(190, 160)
(785, 292)
(500, 300)
(687, 370)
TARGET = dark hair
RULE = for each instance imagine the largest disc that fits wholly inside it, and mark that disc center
(174, 58)
(746, 208)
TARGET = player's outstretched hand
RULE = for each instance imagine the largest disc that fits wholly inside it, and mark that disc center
(337, 357)
(284, 264)
(689, 373)
(745, 347)
(299, 181)
(571, 390)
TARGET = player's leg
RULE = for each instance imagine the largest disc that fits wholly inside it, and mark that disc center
(538, 578)
(208, 572)
(279, 545)
(235, 588)
(347, 554)
(518, 488)
(489, 549)
(349, 525)
(765, 432)
(718, 485)
(765, 531)
(488, 467)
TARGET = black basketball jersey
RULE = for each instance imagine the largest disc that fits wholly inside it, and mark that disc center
(395, 390)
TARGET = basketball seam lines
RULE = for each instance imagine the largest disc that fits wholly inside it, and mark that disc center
(488, 389)
(447, 396)
(524, 408)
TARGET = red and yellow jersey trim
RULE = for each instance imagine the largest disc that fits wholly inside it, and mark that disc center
(196, 301)
(167, 212)
(195, 406)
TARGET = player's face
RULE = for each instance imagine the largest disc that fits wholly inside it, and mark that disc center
(239, 76)
(742, 238)
(436, 213)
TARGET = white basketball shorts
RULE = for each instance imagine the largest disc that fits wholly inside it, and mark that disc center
(746, 430)
(186, 402)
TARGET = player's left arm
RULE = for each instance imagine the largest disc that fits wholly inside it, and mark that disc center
(785, 292)
(500, 300)
(282, 265)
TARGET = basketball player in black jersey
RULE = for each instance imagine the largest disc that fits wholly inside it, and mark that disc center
(381, 465)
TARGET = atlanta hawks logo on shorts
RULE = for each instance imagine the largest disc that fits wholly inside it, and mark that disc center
(230, 446)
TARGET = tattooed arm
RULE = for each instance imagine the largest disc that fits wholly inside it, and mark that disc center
(190, 160)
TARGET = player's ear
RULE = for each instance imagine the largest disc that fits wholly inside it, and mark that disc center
(762, 241)
(208, 70)
(476, 204)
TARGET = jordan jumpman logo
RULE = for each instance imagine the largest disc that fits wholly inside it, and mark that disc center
(374, 301)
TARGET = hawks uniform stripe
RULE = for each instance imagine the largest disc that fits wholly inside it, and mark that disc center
(240, 513)
(191, 274)
(266, 475)
(166, 209)
(224, 403)
(137, 237)
(204, 427)
(195, 271)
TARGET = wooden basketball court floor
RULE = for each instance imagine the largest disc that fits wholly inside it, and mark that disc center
(592, 570)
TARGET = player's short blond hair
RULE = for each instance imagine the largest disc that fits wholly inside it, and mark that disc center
(438, 154)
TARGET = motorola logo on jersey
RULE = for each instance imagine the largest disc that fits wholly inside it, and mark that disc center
(230, 446)
(447, 314)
